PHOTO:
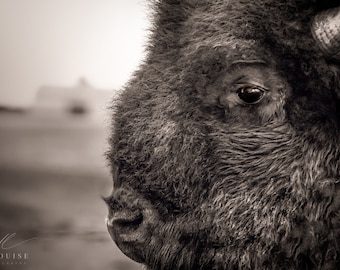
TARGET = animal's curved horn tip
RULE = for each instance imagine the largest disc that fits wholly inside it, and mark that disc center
(326, 31)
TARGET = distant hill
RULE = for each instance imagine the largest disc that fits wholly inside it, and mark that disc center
(6, 109)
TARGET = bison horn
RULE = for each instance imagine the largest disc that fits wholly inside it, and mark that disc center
(326, 31)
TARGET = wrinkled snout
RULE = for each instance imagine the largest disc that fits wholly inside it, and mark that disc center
(130, 221)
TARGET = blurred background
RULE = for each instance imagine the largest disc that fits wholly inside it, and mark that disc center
(62, 63)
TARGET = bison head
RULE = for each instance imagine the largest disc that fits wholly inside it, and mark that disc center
(225, 143)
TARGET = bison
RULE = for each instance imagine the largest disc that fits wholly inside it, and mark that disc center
(225, 147)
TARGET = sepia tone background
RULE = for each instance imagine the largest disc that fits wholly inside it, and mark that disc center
(62, 63)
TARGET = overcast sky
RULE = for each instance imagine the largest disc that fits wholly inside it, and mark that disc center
(55, 42)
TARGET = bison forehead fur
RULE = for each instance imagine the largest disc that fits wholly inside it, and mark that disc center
(225, 144)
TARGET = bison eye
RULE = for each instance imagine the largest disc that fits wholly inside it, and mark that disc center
(250, 94)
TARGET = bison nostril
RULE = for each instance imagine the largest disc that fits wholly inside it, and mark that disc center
(129, 223)
(125, 221)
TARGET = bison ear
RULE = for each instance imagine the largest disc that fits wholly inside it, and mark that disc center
(326, 32)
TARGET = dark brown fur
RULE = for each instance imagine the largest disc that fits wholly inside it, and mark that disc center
(216, 183)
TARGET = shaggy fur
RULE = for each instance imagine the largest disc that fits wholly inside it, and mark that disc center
(212, 182)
